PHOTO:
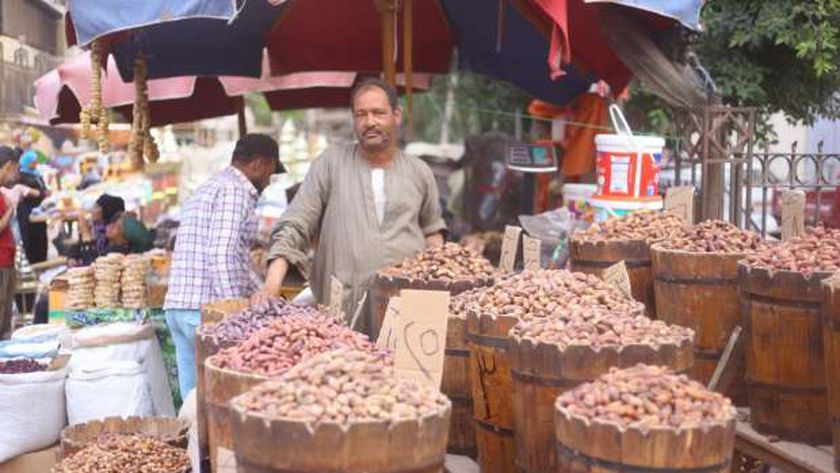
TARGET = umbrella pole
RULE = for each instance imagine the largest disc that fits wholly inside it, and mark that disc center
(408, 64)
(388, 12)
(240, 115)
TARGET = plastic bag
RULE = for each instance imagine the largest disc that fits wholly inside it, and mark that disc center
(552, 228)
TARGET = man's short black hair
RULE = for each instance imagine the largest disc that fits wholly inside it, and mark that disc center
(374, 82)
(8, 154)
(255, 145)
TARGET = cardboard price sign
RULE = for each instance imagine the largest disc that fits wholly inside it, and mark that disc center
(510, 246)
(531, 252)
(618, 276)
(421, 335)
(793, 214)
(680, 201)
(388, 333)
(336, 293)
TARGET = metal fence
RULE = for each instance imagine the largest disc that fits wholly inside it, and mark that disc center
(735, 181)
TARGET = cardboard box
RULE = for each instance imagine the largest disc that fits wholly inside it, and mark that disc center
(40, 461)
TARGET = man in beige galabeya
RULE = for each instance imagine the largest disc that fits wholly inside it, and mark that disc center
(367, 205)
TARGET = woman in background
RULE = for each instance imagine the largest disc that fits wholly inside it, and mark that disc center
(32, 235)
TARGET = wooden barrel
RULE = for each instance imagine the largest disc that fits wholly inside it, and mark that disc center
(542, 371)
(205, 347)
(385, 287)
(174, 432)
(585, 446)
(700, 291)
(264, 445)
(456, 382)
(785, 374)
(492, 391)
(593, 257)
(831, 337)
(456, 385)
(222, 386)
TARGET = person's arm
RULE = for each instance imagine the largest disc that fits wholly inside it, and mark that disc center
(299, 225)
(224, 255)
(431, 218)
(7, 215)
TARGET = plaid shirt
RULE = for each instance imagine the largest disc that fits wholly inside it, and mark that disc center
(212, 248)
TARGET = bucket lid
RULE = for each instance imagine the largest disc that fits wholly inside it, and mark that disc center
(624, 140)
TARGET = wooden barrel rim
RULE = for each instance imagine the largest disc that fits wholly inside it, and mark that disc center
(460, 285)
(236, 405)
(210, 365)
(437, 466)
(522, 347)
(618, 429)
(658, 248)
(635, 250)
(567, 452)
(816, 277)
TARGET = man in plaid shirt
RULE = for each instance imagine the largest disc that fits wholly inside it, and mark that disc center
(211, 259)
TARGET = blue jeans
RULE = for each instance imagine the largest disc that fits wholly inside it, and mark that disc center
(182, 324)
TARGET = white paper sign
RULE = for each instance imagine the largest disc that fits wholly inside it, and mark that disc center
(510, 246)
(421, 337)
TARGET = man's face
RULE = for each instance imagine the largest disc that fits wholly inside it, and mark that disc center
(261, 170)
(374, 121)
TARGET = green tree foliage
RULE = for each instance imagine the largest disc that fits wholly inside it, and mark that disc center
(780, 55)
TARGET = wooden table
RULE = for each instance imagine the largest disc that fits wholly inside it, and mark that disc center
(789, 457)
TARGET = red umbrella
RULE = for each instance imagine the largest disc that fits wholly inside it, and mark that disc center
(60, 93)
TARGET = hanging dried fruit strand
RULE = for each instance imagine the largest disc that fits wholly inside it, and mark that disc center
(141, 144)
(95, 113)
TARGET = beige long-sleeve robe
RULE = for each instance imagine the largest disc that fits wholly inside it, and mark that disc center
(335, 207)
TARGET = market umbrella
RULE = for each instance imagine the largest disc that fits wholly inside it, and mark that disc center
(60, 93)
(521, 41)
(196, 37)
(348, 39)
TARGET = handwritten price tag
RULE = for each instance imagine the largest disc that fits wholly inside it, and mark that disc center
(510, 245)
(336, 293)
(531, 252)
(680, 201)
(421, 337)
(618, 276)
(793, 214)
(388, 333)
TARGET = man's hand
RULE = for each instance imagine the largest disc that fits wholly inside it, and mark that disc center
(262, 296)
(433, 240)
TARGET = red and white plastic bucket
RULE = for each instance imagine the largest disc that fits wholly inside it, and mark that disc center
(628, 165)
